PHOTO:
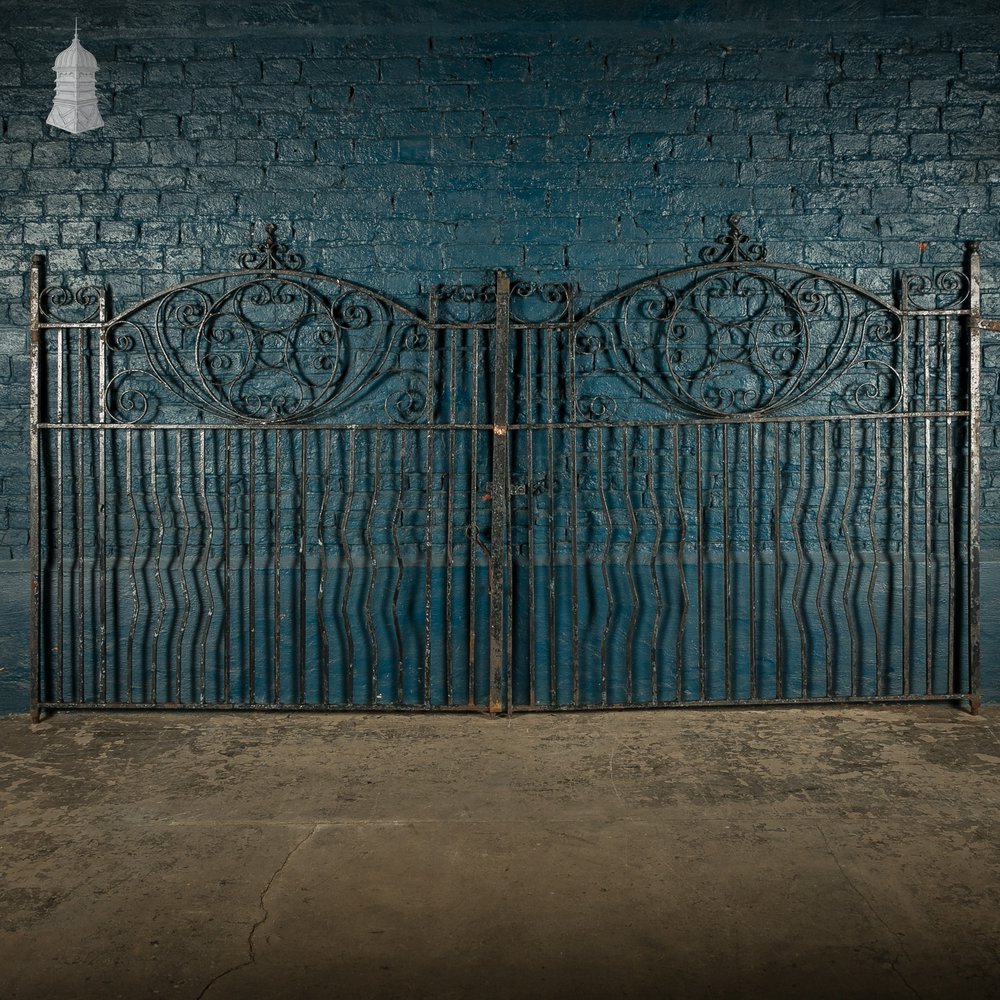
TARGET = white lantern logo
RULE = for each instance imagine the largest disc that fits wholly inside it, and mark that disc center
(75, 107)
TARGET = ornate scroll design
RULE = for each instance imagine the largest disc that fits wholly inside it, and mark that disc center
(261, 348)
(540, 303)
(463, 303)
(532, 303)
(742, 337)
(935, 289)
(59, 304)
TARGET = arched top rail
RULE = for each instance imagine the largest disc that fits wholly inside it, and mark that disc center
(738, 335)
(734, 335)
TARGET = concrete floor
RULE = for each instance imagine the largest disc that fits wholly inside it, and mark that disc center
(787, 853)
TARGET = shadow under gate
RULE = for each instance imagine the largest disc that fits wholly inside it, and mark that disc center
(739, 482)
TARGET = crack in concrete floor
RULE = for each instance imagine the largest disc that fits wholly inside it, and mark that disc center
(251, 951)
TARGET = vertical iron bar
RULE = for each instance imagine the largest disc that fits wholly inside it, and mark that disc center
(476, 338)
(499, 493)
(752, 558)
(550, 377)
(133, 589)
(727, 581)
(904, 428)
(227, 617)
(374, 694)
(605, 553)
(181, 560)
(324, 638)
(207, 535)
(36, 282)
(928, 529)
(950, 489)
(823, 545)
(81, 501)
(102, 491)
(630, 565)
(845, 527)
(529, 496)
(276, 562)
(700, 524)
(345, 545)
(799, 567)
(397, 517)
(161, 596)
(877, 426)
(60, 524)
(303, 551)
(154, 474)
(778, 559)
(252, 581)
(429, 507)
(574, 486)
(681, 574)
(651, 489)
(975, 360)
(449, 338)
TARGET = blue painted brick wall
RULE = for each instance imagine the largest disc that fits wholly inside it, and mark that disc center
(432, 141)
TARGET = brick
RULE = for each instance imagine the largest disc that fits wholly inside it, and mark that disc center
(173, 153)
(160, 125)
(974, 92)
(928, 91)
(859, 94)
(919, 119)
(130, 153)
(770, 147)
(162, 74)
(933, 144)
(851, 144)
(41, 233)
(939, 65)
(15, 154)
(117, 232)
(215, 72)
(980, 62)
(260, 151)
(978, 143)
(510, 68)
(51, 154)
(156, 178)
(282, 70)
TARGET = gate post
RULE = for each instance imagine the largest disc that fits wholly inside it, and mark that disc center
(36, 282)
(499, 493)
(975, 361)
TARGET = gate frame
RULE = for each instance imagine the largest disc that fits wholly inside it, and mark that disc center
(499, 551)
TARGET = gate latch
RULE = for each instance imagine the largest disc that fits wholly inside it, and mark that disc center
(534, 488)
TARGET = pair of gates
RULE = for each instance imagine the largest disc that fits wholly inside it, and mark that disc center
(736, 483)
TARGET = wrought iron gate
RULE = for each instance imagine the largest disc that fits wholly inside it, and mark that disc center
(738, 482)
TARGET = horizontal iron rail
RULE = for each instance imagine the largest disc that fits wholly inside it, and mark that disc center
(279, 706)
(562, 425)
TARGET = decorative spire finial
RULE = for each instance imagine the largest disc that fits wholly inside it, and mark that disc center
(271, 255)
(734, 247)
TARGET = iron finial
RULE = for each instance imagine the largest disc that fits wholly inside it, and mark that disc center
(734, 246)
(271, 255)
